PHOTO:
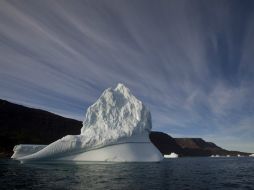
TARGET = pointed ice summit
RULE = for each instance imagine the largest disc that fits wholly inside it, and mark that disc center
(116, 128)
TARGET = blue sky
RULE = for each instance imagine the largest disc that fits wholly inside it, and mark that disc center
(190, 62)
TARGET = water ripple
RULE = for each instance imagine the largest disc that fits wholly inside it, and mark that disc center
(182, 173)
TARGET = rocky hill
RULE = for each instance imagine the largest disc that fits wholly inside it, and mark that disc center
(199, 147)
(23, 125)
(165, 143)
(189, 146)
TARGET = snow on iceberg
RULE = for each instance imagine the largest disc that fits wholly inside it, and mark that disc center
(25, 149)
(172, 155)
(116, 128)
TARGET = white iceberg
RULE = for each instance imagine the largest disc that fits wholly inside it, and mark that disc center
(171, 155)
(116, 128)
(251, 155)
(26, 149)
(215, 156)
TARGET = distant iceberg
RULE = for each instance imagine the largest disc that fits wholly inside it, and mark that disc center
(171, 155)
(215, 156)
(116, 128)
(252, 155)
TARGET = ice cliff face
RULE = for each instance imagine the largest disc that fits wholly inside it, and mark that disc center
(116, 114)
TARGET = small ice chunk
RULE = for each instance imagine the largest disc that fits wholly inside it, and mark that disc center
(171, 155)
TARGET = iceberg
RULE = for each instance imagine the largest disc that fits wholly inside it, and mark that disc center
(251, 155)
(116, 128)
(215, 156)
(172, 155)
(25, 149)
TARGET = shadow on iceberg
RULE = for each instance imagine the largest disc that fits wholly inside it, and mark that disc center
(116, 128)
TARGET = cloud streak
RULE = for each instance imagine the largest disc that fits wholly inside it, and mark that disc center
(190, 62)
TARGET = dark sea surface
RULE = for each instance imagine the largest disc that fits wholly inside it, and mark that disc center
(181, 173)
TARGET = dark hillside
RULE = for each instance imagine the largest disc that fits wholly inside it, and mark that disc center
(23, 125)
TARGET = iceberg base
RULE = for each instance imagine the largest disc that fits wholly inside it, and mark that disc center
(126, 152)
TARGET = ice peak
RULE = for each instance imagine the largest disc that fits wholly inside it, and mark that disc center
(123, 89)
(117, 112)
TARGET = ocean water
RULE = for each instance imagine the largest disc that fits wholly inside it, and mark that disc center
(181, 173)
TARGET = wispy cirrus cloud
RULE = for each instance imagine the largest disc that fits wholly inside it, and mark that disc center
(190, 62)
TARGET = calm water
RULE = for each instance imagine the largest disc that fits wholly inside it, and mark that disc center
(182, 173)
